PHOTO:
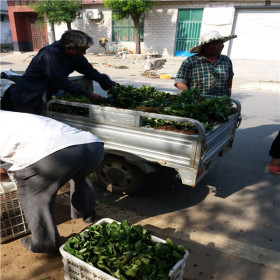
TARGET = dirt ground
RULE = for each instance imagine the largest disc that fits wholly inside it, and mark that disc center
(21, 264)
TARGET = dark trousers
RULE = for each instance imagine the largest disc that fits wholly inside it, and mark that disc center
(39, 183)
(6, 102)
(19, 107)
(275, 147)
(8, 105)
(30, 110)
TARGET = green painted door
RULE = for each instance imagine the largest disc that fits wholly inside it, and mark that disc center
(188, 30)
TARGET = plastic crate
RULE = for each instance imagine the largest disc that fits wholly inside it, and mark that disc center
(13, 223)
(76, 269)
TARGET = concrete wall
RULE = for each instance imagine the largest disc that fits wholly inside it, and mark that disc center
(161, 22)
(6, 35)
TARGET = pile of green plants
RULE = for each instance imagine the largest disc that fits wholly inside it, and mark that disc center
(189, 104)
(73, 110)
(129, 97)
(125, 251)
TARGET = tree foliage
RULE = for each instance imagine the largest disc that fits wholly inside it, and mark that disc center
(134, 8)
(57, 11)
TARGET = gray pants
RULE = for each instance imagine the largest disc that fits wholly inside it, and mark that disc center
(39, 183)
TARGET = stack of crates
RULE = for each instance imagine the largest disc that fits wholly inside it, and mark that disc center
(13, 223)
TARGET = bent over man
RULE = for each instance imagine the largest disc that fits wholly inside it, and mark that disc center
(45, 154)
(48, 73)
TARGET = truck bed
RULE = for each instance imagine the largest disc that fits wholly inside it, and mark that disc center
(123, 134)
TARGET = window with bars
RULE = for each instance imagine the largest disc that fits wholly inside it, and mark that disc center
(123, 30)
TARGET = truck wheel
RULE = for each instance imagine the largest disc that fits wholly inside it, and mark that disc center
(116, 175)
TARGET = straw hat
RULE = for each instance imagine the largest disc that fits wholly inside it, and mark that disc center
(208, 37)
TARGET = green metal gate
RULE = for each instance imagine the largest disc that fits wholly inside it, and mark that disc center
(188, 29)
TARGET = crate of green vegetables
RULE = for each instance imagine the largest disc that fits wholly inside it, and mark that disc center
(110, 250)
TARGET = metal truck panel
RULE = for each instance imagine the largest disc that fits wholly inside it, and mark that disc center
(122, 132)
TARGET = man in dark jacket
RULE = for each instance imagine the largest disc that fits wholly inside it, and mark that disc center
(48, 73)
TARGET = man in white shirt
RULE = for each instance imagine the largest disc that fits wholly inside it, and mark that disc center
(45, 154)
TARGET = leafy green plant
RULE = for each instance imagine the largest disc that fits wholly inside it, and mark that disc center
(125, 251)
(56, 12)
(189, 104)
(69, 109)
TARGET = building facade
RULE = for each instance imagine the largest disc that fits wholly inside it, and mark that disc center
(6, 35)
(27, 34)
(172, 27)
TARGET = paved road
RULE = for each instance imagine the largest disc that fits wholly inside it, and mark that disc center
(234, 211)
(230, 221)
(232, 217)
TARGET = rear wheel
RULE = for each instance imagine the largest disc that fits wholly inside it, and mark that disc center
(118, 176)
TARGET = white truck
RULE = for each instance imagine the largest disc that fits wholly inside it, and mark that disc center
(133, 150)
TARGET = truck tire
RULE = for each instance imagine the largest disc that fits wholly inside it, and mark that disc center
(116, 175)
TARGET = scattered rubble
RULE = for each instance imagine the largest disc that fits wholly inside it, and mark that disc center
(150, 74)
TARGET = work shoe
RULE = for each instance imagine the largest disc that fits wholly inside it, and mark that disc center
(274, 168)
(89, 219)
(26, 242)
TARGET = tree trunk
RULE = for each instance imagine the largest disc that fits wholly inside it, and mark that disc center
(69, 25)
(136, 21)
(53, 31)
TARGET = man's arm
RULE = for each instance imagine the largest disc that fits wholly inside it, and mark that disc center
(183, 74)
(94, 97)
(181, 86)
(229, 86)
(3, 174)
(231, 74)
(85, 68)
(55, 69)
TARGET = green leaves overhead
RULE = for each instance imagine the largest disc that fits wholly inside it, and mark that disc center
(123, 8)
(134, 8)
(125, 251)
(57, 11)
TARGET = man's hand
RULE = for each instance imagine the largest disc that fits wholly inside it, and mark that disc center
(181, 86)
(3, 174)
(95, 98)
